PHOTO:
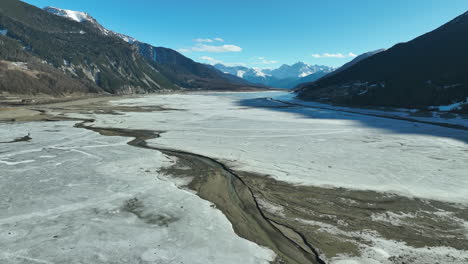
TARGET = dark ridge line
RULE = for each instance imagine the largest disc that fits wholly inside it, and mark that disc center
(140, 141)
(453, 126)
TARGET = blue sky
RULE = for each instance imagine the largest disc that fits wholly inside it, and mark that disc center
(268, 33)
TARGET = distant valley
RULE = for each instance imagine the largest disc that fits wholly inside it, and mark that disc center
(286, 76)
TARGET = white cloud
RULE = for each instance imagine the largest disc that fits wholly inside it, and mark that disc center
(201, 40)
(210, 60)
(208, 45)
(334, 55)
(213, 61)
(211, 48)
(208, 40)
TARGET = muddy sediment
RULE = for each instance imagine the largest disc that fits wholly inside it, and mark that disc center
(57, 111)
(214, 182)
(335, 219)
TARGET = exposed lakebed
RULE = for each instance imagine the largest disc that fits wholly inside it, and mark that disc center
(350, 187)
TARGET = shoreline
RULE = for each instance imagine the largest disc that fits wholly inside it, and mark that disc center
(355, 110)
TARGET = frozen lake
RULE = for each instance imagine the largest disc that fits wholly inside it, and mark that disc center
(309, 146)
(73, 196)
(70, 195)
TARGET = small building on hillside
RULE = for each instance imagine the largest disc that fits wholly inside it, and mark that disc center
(3, 32)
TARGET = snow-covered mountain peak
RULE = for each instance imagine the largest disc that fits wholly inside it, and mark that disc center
(70, 14)
(300, 64)
(286, 76)
(240, 73)
(82, 17)
(125, 38)
(298, 70)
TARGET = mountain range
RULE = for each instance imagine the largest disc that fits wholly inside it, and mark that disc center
(428, 71)
(286, 76)
(43, 50)
(58, 52)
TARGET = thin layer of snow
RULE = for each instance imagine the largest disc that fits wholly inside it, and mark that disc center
(309, 146)
(275, 209)
(451, 107)
(391, 217)
(70, 14)
(74, 204)
(381, 250)
(306, 73)
(125, 38)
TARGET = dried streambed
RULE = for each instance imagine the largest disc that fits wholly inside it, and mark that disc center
(216, 183)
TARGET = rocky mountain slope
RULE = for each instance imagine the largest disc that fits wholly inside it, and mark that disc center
(80, 50)
(56, 47)
(429, 70)
(187, 73)
(356, 60)
(181, 70)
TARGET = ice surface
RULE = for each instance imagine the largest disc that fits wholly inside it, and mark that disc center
(73, 196)
(10, 134)
(310, 146)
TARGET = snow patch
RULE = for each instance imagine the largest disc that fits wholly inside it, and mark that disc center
(240, 74)
(451, 107)
(304, 74)
(258, 72)
(70, 14)
(392, 218)
(271, 208)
